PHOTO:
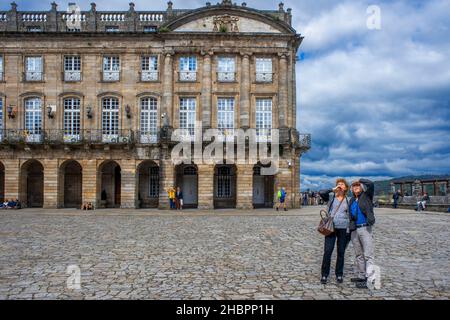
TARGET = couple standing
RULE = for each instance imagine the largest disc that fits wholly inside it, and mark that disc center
(353, 219)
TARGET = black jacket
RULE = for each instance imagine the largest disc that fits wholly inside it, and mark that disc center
(365, 203)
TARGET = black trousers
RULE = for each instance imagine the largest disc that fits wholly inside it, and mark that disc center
(343, 239)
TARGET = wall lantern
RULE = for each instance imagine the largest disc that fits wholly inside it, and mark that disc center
(128, 111)
(51, 110)
(11, 111)
(89, 112)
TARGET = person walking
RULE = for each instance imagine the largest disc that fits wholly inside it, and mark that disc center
(281, 195)
(179, 199)
(362, 219)
(396, 197)
(338, 209)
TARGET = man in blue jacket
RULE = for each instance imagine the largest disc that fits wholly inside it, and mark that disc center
(362, 219)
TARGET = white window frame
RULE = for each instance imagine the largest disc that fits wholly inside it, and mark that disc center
(226, 69)
(33, 119)
(264, 69)
(148, 120)
(225, 117)
(188, 113)
(188, 68)
(72, 119)
(112, 29)
(110, 119)
(263, 118)
(34, 66)
(111, 68)
(149, 68)
(72, 68)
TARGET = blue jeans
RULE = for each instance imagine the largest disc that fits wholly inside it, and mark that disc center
(172, 204)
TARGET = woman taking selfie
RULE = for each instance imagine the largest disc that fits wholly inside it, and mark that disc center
(338, 209)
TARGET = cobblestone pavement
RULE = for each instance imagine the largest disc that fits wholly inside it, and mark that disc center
(145, 254)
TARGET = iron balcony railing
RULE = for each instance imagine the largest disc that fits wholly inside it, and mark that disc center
(304, 140)
(61, 136)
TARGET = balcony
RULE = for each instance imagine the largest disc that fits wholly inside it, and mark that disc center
(111, 76)
(188, 76)
(148, 76)
(264, 77)
(145, 137)
(33, 76)
(72, 76)
(226, 76)
(304, 140)
(55, 136)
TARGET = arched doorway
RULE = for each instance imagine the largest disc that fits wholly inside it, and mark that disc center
(148, 184)
(71, 184)
(2, 182)
(110, 184)
(187, 180)
(225, 186)
(31, 188)
(263, 188)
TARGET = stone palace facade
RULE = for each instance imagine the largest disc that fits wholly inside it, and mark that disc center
(88, 101)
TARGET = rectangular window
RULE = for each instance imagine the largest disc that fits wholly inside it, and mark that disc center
(264, 70)
(225, 117)
(226, 69)
(110, 119)
(187, 116)
(153, 182)
(33, 69)
(442, 189)
(150, 29)
(72, 120)
(1, 68)
(72, 68)
(188, 68)
(34, 29)
(112, 29)
(263, 119)
(111, 68)
(33, 120)
(149, 68)
(1, 119)
(149, 120)
(429, 188)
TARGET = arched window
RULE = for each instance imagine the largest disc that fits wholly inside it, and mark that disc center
(33, 120)
(149, 120)
(72, 119)
(110, 119)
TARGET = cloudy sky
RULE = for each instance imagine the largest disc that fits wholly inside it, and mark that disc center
(376, 101)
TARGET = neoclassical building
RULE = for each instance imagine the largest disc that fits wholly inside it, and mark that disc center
(89, 99)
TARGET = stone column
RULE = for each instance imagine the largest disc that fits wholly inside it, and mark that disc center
(205, 186)
(284, 179)
(244, 197)
(206, 91)
(244, 104)
(12, 178)
(283, 91)
(128, 184)
(89, 182)
(167, 98)
(50, 183)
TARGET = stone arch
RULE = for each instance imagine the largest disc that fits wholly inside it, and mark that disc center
(148, 184)
(31, 184)
(70, 184)
(186, 177)
(109, 184)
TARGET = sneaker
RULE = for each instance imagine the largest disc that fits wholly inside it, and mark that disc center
(357, 280)
(339, 279)
(323, 280)
(362, 285)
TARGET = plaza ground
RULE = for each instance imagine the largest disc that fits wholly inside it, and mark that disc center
(221, 254)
